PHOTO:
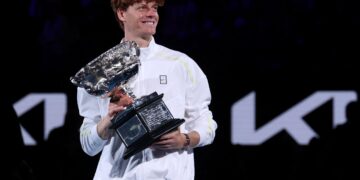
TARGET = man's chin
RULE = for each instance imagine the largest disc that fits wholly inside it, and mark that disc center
(148, 34)
(151, 33)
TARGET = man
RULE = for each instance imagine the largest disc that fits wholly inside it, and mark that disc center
(186, 93)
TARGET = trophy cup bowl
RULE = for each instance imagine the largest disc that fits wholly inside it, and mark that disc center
(144, 120)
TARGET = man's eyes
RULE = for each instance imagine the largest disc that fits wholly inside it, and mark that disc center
(144, 7)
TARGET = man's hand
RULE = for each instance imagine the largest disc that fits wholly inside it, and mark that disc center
(170, 141)
(119, 100)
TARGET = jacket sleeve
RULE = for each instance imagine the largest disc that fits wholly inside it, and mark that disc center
(198, 98)
(88, 105)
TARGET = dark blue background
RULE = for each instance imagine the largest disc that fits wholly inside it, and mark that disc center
(284, 50)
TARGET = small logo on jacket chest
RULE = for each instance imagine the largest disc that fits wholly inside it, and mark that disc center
(163, 79)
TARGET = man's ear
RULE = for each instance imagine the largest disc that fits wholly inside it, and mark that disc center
(121, 14)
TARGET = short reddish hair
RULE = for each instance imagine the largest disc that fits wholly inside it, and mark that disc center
(124, 4)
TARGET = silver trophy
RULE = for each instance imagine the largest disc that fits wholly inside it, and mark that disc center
(146, 118)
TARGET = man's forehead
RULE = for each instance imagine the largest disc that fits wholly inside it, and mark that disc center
(145, 2)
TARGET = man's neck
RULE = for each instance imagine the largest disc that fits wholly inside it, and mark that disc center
(142, 42)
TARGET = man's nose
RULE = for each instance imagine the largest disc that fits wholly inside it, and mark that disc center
(151, 12)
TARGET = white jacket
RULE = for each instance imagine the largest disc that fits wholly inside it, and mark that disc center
(187, 95)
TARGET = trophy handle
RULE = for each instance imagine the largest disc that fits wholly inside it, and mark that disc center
(119, 96)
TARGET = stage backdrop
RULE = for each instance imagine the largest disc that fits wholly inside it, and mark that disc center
(282, 76)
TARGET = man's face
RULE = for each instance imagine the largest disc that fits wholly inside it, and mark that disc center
(140, 19)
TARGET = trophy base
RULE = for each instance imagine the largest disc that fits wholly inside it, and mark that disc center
(150, 138)
(146, 120)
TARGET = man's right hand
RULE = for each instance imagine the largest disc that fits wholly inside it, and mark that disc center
(119, 100)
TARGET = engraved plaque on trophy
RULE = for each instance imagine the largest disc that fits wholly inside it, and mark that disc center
(147, 117)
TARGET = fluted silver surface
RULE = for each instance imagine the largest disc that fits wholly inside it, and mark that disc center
(111, 69)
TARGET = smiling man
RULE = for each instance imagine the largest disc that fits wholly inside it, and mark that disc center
(186, 94)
